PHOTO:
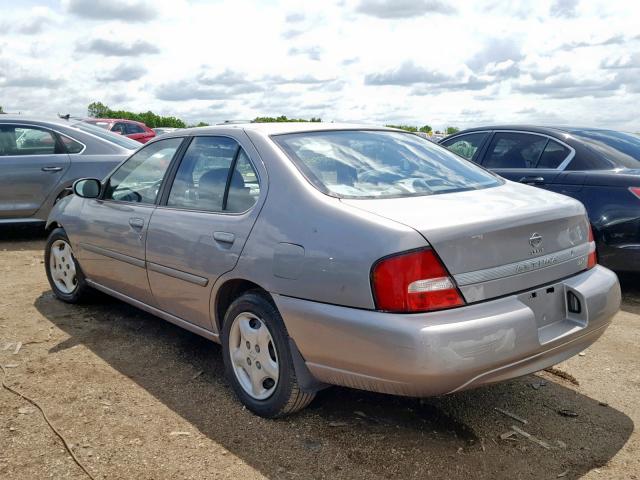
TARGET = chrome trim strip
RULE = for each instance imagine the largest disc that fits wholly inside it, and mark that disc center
(524, 266)
(115, 255)
(157, 312)
(179, 274)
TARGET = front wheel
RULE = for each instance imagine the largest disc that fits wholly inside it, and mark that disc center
(63, 271)
(258, 360)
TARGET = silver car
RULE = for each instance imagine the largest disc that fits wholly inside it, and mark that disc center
(40, 159)
(326, 254)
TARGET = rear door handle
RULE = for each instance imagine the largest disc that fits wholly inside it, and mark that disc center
(51, 169)
(137, 223)
(224, 237)
(532, 180)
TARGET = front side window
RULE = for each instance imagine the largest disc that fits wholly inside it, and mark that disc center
(514, 150)
(17, 140)
(466, 145)
(204, 182)
(380, 164)
(138, 179)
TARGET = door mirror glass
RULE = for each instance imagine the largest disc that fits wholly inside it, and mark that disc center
(87, 188)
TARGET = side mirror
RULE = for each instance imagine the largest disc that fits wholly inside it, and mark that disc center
(87, 188)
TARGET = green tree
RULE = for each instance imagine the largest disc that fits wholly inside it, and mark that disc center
(452, 130)
(283, 118)
(408, 128)
(425, 129)
(97, 110)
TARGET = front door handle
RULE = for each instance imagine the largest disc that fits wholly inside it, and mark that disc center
(532, 180)
(224, 237)
(137, 223)
(51, 169)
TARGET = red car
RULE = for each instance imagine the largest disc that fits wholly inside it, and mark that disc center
(129, 128)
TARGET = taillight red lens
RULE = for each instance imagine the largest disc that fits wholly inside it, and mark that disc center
(635, 191)
(414, 282)
(592, 259)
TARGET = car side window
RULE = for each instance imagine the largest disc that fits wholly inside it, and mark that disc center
(554, 154)
(203, 180)
(18, 140)
(138, 179)
(514, 150)
(132, 128)
(71, 145)
(120, 128)
(466, 145)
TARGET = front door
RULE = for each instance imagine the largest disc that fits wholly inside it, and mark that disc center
(198, 231)
(32, 163)
(114, 226)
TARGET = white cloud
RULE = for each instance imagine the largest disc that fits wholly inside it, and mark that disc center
(382, 61)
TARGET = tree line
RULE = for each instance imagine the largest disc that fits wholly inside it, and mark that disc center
(152, 120)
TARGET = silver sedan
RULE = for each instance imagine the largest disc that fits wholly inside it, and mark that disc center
(41, 158)
(327, 254)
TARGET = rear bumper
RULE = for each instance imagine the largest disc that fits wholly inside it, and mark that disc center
(442, 352)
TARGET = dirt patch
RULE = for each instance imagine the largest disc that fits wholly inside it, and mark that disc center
(126, 390)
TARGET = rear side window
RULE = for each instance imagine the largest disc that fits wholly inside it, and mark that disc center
(71, 145)
(138, 179)
(380, 164)
(204, 180)
(18, 140)
(466, 145)
(132, 128)
(553, 155)
(514, 150)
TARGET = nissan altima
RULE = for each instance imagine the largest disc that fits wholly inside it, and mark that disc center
(327, 254)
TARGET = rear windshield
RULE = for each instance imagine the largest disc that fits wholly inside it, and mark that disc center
(623, 149)
(120, 140)
(380, 164)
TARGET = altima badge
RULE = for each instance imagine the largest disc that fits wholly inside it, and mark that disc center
(535, 240)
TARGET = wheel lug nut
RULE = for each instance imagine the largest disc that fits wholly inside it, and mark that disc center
(248, 361)
(258, 366)
(248, 346)
(257, 348)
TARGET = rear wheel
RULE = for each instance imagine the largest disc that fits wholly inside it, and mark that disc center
(258, 360)
(63, 271)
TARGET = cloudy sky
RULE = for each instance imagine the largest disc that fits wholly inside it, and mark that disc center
(375, 61)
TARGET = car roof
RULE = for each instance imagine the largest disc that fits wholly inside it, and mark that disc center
(277, 128)
(547, 129)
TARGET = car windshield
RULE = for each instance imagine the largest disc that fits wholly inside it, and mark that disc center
(120, 140)
(380, 164)
(623, 149)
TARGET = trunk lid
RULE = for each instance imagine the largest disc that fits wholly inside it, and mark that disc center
(497, 240)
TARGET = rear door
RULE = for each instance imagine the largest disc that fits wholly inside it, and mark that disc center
(526, 157)
(32, 163)
(114, 227)
(199, 229)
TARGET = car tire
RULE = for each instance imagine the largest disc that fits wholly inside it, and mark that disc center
(65, 276)
(253, 356)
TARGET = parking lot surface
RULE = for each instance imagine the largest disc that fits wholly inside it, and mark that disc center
(137, 397)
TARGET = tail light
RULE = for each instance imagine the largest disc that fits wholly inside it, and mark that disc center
(592, 259)
(635, 191)
(413, 282)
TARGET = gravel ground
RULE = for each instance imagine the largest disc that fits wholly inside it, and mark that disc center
(139, 398)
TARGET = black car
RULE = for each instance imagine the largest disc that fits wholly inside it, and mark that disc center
(601, 168)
